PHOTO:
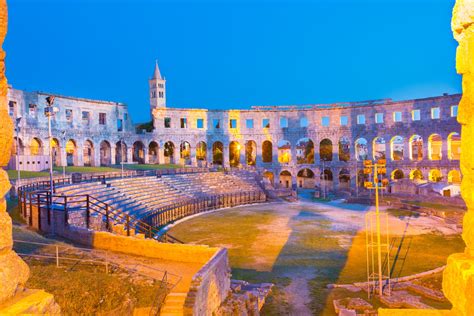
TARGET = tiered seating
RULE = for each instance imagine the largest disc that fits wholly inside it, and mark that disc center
(140, 195)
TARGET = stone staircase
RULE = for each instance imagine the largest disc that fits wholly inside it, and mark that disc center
(173, 304)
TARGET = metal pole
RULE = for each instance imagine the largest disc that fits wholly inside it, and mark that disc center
(379, 247)
(50, 138)
(18, 151)
(122, 142)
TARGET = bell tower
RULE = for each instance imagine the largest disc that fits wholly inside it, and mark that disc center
(157, 89)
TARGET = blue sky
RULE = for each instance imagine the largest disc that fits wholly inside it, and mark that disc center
(233, 54)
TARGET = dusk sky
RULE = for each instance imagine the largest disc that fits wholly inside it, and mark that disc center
(233, 54)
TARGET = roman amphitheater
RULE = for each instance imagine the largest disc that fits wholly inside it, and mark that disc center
(268, 210)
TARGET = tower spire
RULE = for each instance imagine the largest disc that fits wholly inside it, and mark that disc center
(156, 73)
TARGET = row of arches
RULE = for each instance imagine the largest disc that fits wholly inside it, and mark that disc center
(434, 175)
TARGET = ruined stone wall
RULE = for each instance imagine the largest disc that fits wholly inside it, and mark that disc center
(13, 271)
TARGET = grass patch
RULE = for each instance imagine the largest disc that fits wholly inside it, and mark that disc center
(13, 174)
(402, 213)
(84, 169)
(150, 167)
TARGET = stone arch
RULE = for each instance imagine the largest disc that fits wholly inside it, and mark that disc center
(185, 152)
(305, 178)
(326, 178)
(168, 152)
(88, 153)
(36, 147)
(285, 179)
(234, 153)
(325, 150)
(379, 148)
(454, 177)
(138, 152)
(435, 175)
(435, 144)
(397, 174)
(284, 151)
(71, 153)
(397, 148)
(344, 149)
(416, 174)
(201, 152)
(120, 152)
(153, 150)
(267, 151)
(305, 151)
(269, 177)
(251, 153)
(18, 143)
(56, 152)
(218, 153)
(454, 146)
(361, 149)
(416, 148)
(344, 179)
(105, 153)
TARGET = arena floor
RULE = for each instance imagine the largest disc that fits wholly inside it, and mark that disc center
(303, 246)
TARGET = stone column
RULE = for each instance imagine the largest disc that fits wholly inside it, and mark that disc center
(80, 154)
(113, 148)
(146, 158)
(161, 155)
(458, 277)
(129, 154)
(225, 156)
(13, 271)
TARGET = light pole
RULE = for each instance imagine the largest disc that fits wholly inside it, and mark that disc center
(50, 111)
(122, 142)
(17, 130)
(63, 138)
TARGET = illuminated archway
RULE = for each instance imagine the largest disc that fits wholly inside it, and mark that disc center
(267, 151)
(88, 153)
(416, 147)
(138, 152)
(168, 152)
(185, 152)
(304, 151)
(416, 174)
(325, 150)
(435, 143)
(218, 153)
(285, 179)
(305, 178)
(284, 151)
(379, 148)
(251, 153)
(454, 146)
(105, 153)
(36, 147)
(454, 177)
(56, 151)
(71, 153)
(397, 148)
(361, 149)
(201, 151)
(268, 176)
(153, 149)
(344, 149)
(435, 175)
(234, 154)
(397, 174)
(120, 152)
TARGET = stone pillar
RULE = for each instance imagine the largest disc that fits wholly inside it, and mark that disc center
(209, 154)
(161, 155)
(113, 148)
(13, 271)
(176, 155)
(458, 277)
(193, 156)
(146, 158)
(275, 154)
(225, 156)
(80, 154)
(129, 154)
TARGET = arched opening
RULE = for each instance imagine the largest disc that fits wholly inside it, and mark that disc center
(153, 149)
(305, 151)
(56, 152)
(217, 153)
(361, 149)
(168, 152)
(305, 179)
(138, 152)
(416, 174)
(325, 150)
(454, 146)
(88, 153)
(185, 153)
(105, 153)
(36, 147)
(19, 143)
(435, 144)
(326, 178)
(234, 154)
(269, 177)
(344, 179)
(344, 149)
(397, 174)
(435, 175)
(267, 151)
(284, 151)
(361, 178)
(378, 148)
(120, 152)
(285, 179)
(201, 153)
(396, 148)
(251, 153)
(416, 147)
(71, 153)
(454, 177)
